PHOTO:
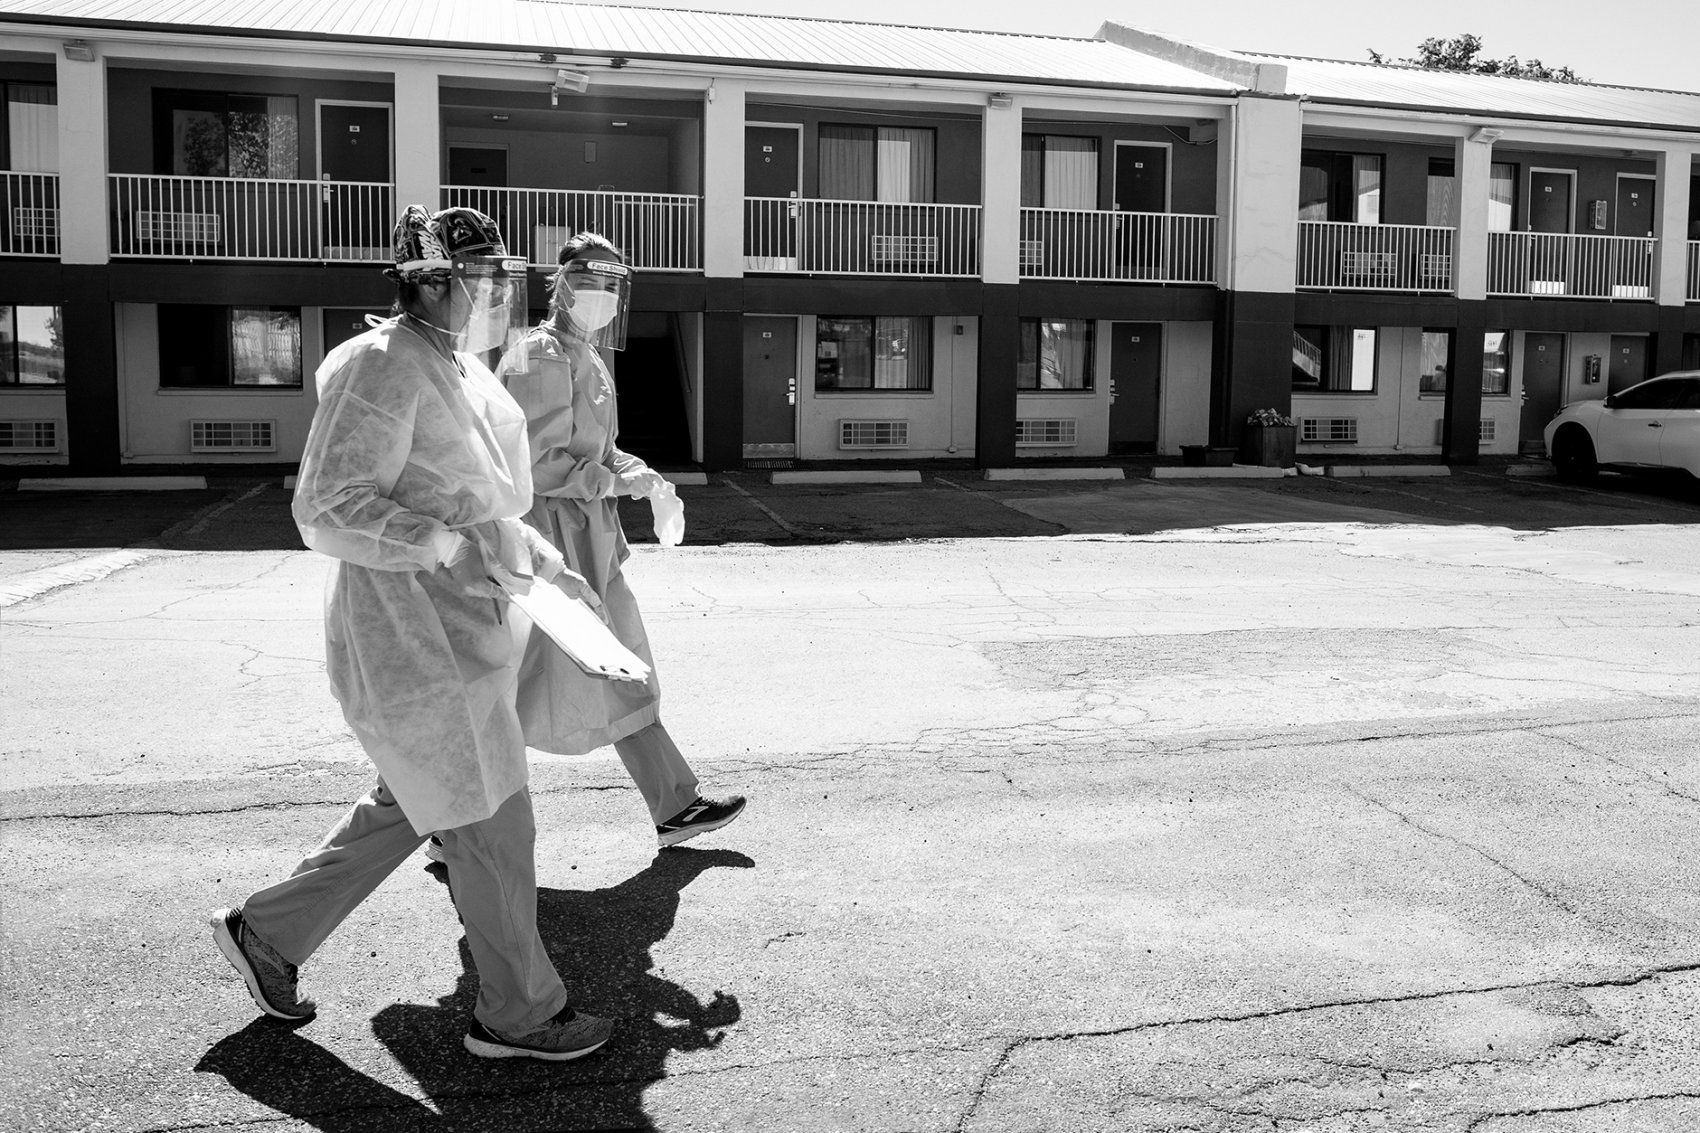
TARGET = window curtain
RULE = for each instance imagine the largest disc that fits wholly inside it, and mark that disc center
(1032, 171)
(1437, 353)
(905, 165)
(1065, 354)
(1366, 188)
(1071, 173)
(903, 353)
(265, 347)
(32, 123)
(1313, 190)
(1502, 195)
(847, 163)
(1496, 362)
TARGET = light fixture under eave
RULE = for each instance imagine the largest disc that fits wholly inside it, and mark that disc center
(79, 51)
(1000, 100)
(566, 82)
(1486, 134)
(498, 117)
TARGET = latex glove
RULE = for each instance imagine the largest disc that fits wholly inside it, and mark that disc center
(464, 564)
(546, 562)
(640, 483)
(573, 584)
(669, 514)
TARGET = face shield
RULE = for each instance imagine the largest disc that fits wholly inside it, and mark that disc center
(600, 292)
(487, 296)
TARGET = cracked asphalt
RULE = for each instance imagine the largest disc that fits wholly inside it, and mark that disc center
(1304, 806)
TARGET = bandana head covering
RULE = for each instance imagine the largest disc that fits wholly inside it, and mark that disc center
(424, 244)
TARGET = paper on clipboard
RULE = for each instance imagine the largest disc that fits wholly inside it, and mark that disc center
(581, 635)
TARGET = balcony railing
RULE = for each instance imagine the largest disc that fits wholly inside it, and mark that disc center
(816, 237)
(1130, 247)
(235, 218)
(29, 214)
(656, 231)
(1340, 256)
(1577, 267)
(1693, 292)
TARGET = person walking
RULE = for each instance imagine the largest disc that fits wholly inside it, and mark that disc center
(578, 472)
(415, 475)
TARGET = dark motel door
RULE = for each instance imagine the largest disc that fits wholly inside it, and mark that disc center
(770, 170)
(482, 166)
(1634, 217)
(1136, 369)
(1550, 211)
(1142, 185)
(1627, 364)
(1543, 387)
(354, 145)
(770, 386)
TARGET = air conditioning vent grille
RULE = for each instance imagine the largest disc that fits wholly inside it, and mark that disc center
(1328, 430)
(873, 434)
(29, 436)
(1046, 432)
(1488, 430)
(232, 436)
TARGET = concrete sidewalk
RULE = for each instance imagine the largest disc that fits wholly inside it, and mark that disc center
(1341, 823)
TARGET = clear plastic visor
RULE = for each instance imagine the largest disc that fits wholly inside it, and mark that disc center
(488, 296)
(597, 302)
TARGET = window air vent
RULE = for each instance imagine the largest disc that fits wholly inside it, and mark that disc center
(178, 227)
(1040, 432)
(873, 434)
(1328, 430)
(904, 249)
(35, 223)
(1487, 431)
(231, 436)
(1032, 253)
(29, 436)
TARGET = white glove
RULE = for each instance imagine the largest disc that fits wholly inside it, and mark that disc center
(640, 483)
(464, 563)
(668, 511)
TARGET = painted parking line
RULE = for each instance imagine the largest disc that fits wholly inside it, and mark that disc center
(764, 509)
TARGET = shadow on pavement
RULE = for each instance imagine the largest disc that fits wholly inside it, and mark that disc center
(600, 941)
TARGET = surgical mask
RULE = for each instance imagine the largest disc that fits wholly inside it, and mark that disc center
(593, 310)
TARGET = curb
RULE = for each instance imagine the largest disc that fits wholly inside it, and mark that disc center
(1206, 472)
(845, 476)
(115, 484)
(1348, 471)
(1053, 474)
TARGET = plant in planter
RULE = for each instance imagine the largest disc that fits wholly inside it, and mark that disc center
(1271, 439)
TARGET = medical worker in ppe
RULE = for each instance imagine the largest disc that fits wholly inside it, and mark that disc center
(578, 473)
(415, 477)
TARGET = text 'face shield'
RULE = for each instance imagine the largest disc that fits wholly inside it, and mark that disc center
(601, 294)
(488, 295)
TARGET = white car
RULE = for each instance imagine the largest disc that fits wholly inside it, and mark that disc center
(1647, 427)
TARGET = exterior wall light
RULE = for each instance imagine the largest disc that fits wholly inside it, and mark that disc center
(1000, 100)
(79, 51)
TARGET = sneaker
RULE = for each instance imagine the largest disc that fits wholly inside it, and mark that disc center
(568, 1035)
(434, 849)
(700, 817)
(270, 978)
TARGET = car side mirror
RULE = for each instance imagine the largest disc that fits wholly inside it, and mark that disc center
(1610, 400)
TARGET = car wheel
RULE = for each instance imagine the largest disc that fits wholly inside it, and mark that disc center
(1573, 456)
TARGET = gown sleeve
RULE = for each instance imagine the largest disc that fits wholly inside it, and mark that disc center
(542, 383)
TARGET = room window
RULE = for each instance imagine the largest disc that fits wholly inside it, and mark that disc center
(32, 346)
(873, 354)
(1340, 186)
(32, 127)
(1436, 361)
(1059, 172)
(1334, 359)
(1496, 363)
(1442, 194)
(210, 134)
(1055, 354)
(1502, 196)
(885, 163)
(206, 347)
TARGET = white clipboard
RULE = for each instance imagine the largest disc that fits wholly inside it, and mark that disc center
(579, 632)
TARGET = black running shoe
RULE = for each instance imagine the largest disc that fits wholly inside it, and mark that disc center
(569, 1035)
(270, 978)
(700, 817)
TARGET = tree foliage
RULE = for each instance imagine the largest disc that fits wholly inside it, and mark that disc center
(1463, 53)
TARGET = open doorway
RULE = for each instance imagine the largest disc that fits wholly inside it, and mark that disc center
(649, 382)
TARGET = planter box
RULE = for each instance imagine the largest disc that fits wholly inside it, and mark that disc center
(1272, 446)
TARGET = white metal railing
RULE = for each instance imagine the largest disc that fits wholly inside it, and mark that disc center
(1577, 267)
(1132, 247)
(236, 218)
(1693, 292)
(656, 231)
(1342, 256)
(29, 214)
(820, 237)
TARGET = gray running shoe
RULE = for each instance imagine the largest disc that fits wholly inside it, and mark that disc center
(270, 978)
(568, 1035)
(700, 817)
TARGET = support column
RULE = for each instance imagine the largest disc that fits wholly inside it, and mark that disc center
(723, 376)
(1257, 192)
(418, 137)
(1461, 417)
(1000, 204)
(1675, 169)
(83, 232)
(1473, 160)
(91, 371)
(723, 116)
(995, 390)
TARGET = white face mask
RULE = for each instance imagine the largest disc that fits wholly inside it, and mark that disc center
(593, 310)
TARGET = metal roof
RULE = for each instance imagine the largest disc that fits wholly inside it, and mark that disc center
(1381, 84)
(640, 33)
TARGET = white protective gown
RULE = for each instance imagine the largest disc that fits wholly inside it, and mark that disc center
(403, 449)
(568, 398)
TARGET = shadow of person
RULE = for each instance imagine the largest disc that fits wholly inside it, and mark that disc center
(600, 942)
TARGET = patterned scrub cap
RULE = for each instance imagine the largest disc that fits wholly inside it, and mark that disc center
(424, 243)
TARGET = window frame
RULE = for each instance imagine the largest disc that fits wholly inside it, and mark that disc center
(1342, 196)
(1043, 150)
(167, 101)
(1423, 388)
(874, 161)
(1338, 353)
(923, 323)
(204, 314)
(11, 352)
(1031, 325)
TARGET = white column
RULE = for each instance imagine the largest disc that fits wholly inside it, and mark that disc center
(1670, 255)
(418, 137)
(1000, 194)
(1473, 164)
(83, 236)
(723, 114)
(1257, 194)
